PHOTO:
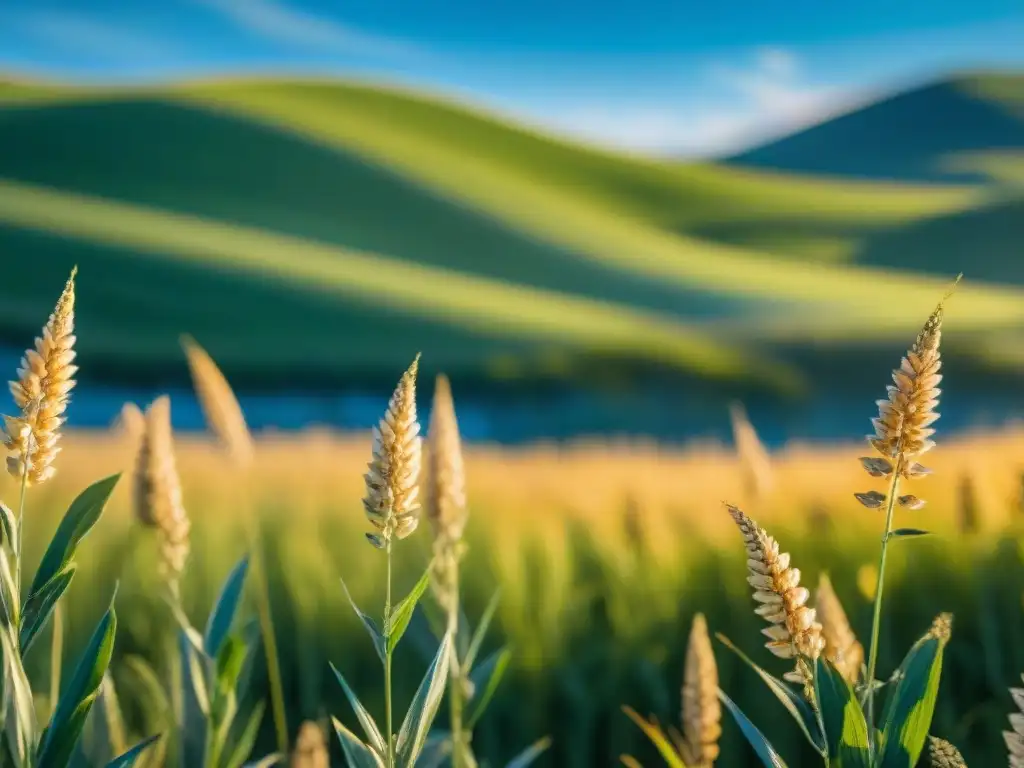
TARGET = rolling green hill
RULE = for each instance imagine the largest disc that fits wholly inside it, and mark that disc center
(314, 232)
(917, 135)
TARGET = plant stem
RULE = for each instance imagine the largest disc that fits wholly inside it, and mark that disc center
(879, 590)
(455, 673)
(387, 663)
(269, 642)
(19, 533)
(56, 655)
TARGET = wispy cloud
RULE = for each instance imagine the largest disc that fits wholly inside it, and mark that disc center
(743, 104)
(277, 22)
(88, 36)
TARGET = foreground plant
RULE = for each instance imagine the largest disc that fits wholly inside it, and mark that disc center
(834, 706)
(41, 394)
(392, 506)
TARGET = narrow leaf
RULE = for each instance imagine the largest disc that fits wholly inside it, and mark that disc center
(658, 738)
(8, 526)
(846, 730)
(908, 715)
(531, 753)
(375, 635)
(76, 701)
(247, 738)
(794, 703)
(370, 728)
(485, 680)
(764, 750)
(424, 705)
(357, 754)
(400, 615)
(909, 532)
(127, 760)
(223, 615)
(39, 606)
(266, 762)
(20, 730)
(80, 518)
(481, 631)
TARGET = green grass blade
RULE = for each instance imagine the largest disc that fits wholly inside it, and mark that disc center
(486, 679)
(246, 739)
(908, 715)
(370, 728)
(762, 747)
(425, 703)
(8, 526)
(73, 707)
(525, 758)
(128, 759)
(658, 738)
(481, 630)
(846, 730)
(39, 606)
(357, 754)
(80, 518)
(223, 615)
(794, 703)
(371, 627)
(402, 613)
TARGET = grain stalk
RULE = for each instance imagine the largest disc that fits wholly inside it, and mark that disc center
(902, 433)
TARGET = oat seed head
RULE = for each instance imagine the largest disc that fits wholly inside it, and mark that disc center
(41, 393)
(1015, 738)
(841, 645)
(220, 406)
(942, 754)
(156, 496)
(793, 632)
(130, 422)
(310, 749)
(753, 456)
(702, 711)
(391, 503)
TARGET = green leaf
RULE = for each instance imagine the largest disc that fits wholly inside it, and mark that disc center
(223, 615)
(80, 518)
(397, 622)
(481, 631)
(103, 736)
(39, 606)
(485, 679)
(436, 750)
(357, 754)
(909, 532)
(8, 526)
(908, 715)
(846, 730)
(525, 758)
(794, 703)
(424, 705)
(127, 760)
(76, 701)
(193, 671)
(266, 762)
(658, 738)
(229, 663)
(247, 738)
(20, 729)
(370, 728)
(764, 750)
(375, 635)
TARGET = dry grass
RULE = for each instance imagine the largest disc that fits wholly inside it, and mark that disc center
(842, 647)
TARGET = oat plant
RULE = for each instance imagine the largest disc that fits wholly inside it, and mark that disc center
(41, 394)
(392, 507)
(833, 702)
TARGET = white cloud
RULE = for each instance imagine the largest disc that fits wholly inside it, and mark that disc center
(278, 22)
(91, 37)
(765, 99)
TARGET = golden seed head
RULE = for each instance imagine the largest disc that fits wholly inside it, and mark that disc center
(794, 633)
(841, 645)
(41, 393)
(903, 428)
(1015, 739)
(156, 490)
(310, 748)
(753, 456)
(220, 406)
(942, 754)
(392, 480)
(942, 627)
(130, 422)
(702, 712)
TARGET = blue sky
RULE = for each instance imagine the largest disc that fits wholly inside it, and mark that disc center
(662, 75)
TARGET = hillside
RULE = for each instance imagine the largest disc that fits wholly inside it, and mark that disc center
(311, 233)
(920, 135)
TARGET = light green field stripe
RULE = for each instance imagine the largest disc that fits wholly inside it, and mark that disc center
(844, 300)
(479, 303)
